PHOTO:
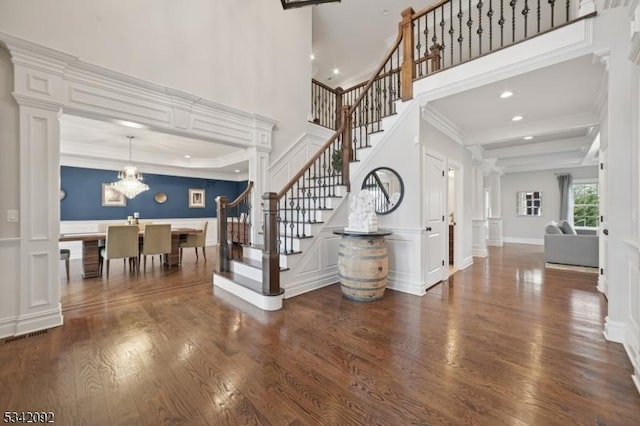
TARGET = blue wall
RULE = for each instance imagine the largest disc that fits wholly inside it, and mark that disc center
(84, 196)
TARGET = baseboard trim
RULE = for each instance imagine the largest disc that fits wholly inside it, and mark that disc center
(479, 252)
(614, 330)
(296, 289)
(466, 262)
(494, 243)
(415, 289)
(518, 240)
(40, 321)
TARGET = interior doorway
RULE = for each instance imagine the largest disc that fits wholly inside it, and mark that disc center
(454, 216)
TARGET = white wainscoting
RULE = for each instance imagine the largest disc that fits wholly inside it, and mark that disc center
(632, 330)
(9, 257)
(81, 226)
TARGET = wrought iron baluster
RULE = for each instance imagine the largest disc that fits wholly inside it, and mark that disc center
(490, 16)
(567, 14)
(297, 204)
(442, 45)
(451, 32)
(469, 24)
(460, 37)
(283, 222)
(538, 15)
(501, 22)
(419, 47)
(479, 30)
(525, 13)
(434, 38)
(398, 75)
(426, 44)
(291, 223)
(513, 19)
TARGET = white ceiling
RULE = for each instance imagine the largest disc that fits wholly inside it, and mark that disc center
(559, 105)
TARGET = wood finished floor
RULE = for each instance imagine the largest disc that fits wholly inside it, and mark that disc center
(502, 342)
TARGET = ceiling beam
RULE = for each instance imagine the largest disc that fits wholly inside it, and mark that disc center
(534, 148)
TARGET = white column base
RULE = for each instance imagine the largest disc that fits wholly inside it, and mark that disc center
(495, 232)
(479, 238)
(614, 330)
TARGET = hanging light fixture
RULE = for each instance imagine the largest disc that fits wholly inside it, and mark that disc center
(130, 180)
(288, 4)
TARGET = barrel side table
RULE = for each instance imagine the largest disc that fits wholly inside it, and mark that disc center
(363, 264)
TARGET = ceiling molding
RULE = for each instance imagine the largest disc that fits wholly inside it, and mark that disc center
(531, 148)
(440, 122)
(557, 124)
(569, 158)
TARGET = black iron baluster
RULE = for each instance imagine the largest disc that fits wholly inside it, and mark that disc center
(419, 48)
(451, 31)
(291, 224)
(567, 14)
(490, 16)
(525, 13)
(501, 22)
(469, 24)
(538, 15)
(513, 19)
(284, 221)
(434, 38)
(479, 30)
(426, 43)
(442, 45)
(460, 37)
(315, 190)
(398, 75)
(297, 192)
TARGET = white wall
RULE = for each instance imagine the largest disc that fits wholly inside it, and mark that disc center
(530, 229)
(247, 54)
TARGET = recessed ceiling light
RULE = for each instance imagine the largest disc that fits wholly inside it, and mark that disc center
(237, 170)
(506, 94)
(516, 118)
(336, 70)
(528, 138)
(131, 124)
(312, 56)
(187, 156)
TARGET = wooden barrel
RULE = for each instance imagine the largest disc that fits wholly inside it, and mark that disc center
(363, 266)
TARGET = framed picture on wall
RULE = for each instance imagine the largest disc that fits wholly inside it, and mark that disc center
(196, 198)
(111, 197)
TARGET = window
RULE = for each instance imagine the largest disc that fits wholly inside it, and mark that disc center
(585, 205)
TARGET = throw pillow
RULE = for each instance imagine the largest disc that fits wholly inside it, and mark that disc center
(567, 228)
(552, 228)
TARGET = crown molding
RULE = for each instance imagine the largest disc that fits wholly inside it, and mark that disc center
(438, 120)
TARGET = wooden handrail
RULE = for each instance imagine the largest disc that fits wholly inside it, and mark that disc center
(309, 163)
(380, 68)
(240, 197)
(324, 86)
(428, 9)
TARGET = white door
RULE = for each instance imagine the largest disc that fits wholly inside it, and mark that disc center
(603, 231)
(435, 225)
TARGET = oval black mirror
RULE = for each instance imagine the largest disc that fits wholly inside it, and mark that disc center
(387, 188)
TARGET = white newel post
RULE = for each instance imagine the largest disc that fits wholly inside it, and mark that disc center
(259, 174)
(38, 90)
(495, 220)
(479, 237)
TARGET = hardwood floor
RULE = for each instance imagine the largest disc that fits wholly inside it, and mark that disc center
(502, 342)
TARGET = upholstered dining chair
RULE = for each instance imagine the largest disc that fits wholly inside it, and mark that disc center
(195, 241)
(121, 242)
(157, 240)
(65, 254)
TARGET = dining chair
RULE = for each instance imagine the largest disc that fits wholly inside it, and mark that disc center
(65, 254)
(143, 224)
(121, 242)
(195, 241)
(157, 240)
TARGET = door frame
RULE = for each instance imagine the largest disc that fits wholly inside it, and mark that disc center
(458, 207)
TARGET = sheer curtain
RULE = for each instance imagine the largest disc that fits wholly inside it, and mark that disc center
(565, 182)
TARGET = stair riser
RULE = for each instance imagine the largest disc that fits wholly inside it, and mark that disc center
(285, 261)
(246, 270)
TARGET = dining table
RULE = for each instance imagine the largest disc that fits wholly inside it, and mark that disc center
(91, 248)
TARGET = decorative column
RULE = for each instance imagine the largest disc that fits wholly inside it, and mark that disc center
(479, 235)
(39, 92)
(495, 219)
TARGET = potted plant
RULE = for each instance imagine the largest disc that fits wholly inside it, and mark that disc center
(336, 160)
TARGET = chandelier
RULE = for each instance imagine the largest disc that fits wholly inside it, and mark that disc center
(288, 4)
(130, 180)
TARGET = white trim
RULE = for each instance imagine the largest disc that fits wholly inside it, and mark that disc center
(466, 262)
(614, 330)
(37, 321)
(441, 123)
(518, 240)
(266, 303)
(10, 241)
(403, 286)
(480, 252)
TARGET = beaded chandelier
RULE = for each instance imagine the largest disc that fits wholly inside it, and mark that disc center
(129, 179)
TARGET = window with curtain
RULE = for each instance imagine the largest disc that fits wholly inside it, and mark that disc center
(585, 204)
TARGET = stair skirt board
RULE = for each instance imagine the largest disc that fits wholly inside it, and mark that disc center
(266, 303)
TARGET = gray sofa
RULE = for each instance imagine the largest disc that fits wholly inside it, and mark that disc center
(563, 244)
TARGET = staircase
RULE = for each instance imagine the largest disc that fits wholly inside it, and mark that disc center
(312, 202)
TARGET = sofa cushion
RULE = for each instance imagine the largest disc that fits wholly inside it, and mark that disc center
(566, 228)
(552, 228)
